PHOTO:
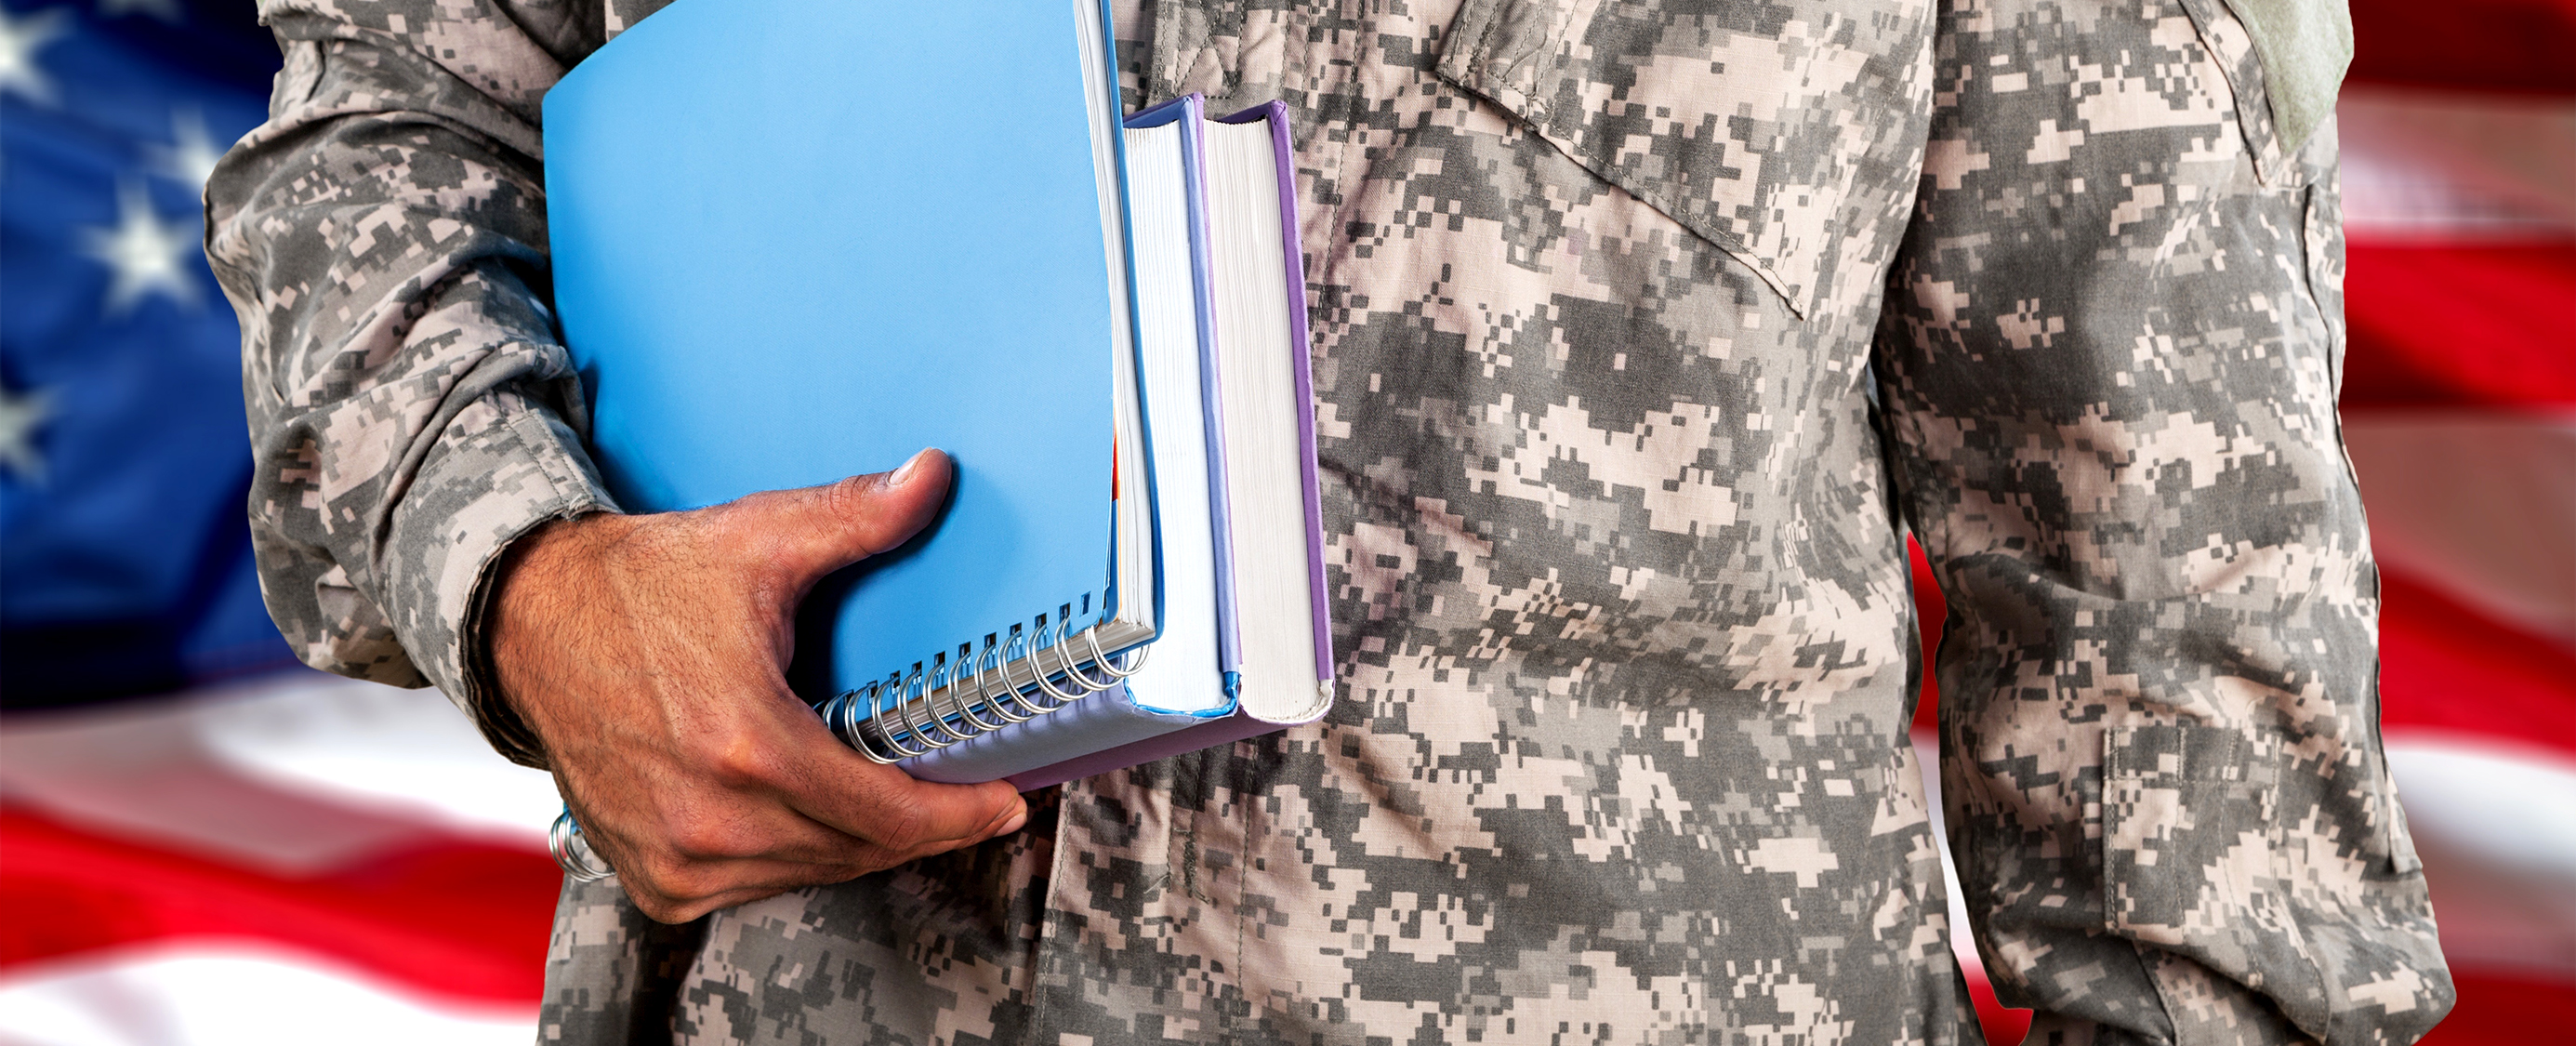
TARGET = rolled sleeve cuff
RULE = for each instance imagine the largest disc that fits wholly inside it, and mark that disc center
(488, 481)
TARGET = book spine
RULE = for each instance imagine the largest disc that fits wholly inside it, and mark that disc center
(1303, 369)
(1211, 382)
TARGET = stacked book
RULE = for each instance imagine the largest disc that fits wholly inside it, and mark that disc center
(796, 240)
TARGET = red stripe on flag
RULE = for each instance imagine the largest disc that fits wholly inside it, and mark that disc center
(2003, 1026)
(1929, 608)
(2504, 45)
(2501, 1011)
(456, 919)
(2445, 666)
(2492, 325)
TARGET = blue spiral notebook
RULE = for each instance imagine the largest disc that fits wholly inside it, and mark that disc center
(798, 240)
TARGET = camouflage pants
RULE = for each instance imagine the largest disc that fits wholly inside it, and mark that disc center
(1643, 334)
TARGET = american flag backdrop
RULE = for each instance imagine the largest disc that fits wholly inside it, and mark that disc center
(202, 843)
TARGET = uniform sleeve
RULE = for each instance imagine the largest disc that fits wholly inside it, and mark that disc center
(2108, 369)
(382, 238)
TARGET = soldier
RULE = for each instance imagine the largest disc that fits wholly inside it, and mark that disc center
(1643, 334)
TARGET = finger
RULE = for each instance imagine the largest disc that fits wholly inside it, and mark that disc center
(887, 807)
(673, 888)
(812, 531)
(743, 882)
(730, 883)
(755, 844)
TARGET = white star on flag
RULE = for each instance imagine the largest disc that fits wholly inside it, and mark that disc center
(190, 157)
(20, 39)
(145, 254)
(20, 417)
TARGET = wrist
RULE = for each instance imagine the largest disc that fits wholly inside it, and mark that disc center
(534, 577)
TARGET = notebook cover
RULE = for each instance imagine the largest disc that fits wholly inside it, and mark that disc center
(1109, 720)
(1209, 733)
(777, 264)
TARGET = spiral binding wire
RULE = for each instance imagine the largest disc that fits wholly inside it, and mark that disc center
(908, 715)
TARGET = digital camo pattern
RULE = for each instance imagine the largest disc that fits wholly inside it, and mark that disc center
(1602, 293)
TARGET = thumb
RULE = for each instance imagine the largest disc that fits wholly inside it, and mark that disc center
(812, 531)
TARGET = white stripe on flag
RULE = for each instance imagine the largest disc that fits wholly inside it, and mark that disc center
(232, 995)
(294, 772)
(2496, 825)
(2450, 165)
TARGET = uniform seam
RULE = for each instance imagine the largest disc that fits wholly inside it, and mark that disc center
(1050, 921)
(2114, 768)
(2264, 150)
(1242, 912)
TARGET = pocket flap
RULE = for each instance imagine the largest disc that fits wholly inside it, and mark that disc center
(1747, 122)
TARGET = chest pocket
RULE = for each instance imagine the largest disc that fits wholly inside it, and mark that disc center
(1750, 122)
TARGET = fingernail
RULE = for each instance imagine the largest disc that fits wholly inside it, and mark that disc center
(1018, 817)
(904, 475)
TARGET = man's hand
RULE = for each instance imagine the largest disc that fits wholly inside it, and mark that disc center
(648, 653)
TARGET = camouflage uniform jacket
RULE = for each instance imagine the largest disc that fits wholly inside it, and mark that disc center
(1644, 332)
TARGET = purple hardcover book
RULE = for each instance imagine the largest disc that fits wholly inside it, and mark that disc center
(1274, 116)
(1271, 695)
